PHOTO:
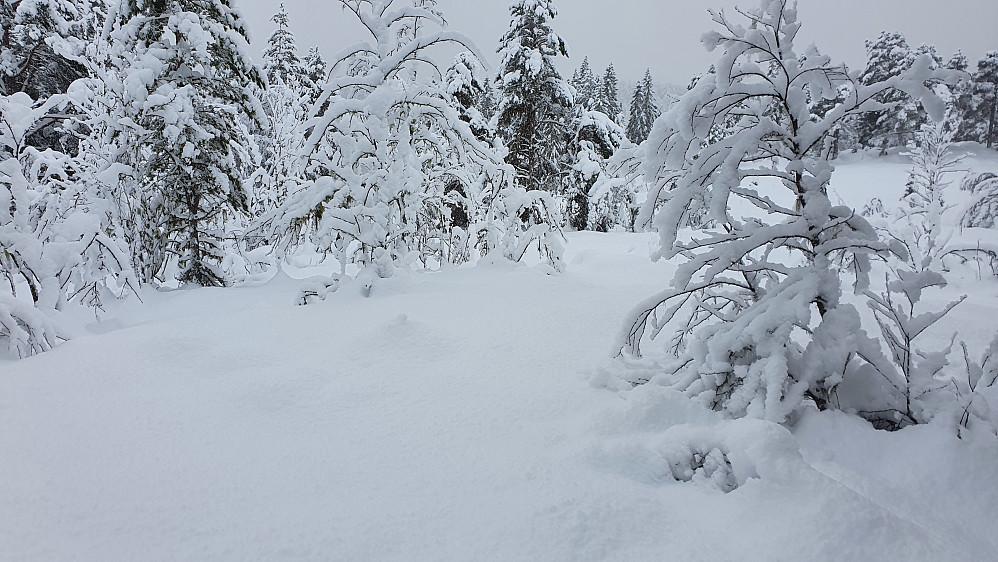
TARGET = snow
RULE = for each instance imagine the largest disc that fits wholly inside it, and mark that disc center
(471, 413)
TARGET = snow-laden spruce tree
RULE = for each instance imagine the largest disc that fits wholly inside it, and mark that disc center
(316, 68)
(887, 56)
(400, 181)
(286, 101)
(754, 313)
(281, 63)
(979, 116)
(586, 85)
(607, 99)
(534, 111)
(187, 83)
(28, 61)
(467, 81)
(595, 141)
(40, 41)
(644, 110)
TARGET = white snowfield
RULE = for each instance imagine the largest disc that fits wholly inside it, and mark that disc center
(470, 414)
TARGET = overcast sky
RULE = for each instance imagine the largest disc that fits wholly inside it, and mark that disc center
(662, 34)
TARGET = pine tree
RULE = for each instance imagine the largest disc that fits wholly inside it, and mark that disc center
(286, 102)
(28, 59)
(534, 111)
(315, 66)
(644, 110)
(607, 99)
(960, 97)
(189, 113)
(979, 116)
(888, 56)
(280, 58)
(958, 62)
(315, 70)
(39, 42)
(586, 86)
(467, 80)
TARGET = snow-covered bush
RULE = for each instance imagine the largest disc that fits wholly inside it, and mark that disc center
(972, 406)
(917, 222)
(918, 371)
(756, 313)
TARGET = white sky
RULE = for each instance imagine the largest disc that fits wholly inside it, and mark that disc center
(663, 34)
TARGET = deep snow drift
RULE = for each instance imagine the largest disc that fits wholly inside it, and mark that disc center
(468, 414)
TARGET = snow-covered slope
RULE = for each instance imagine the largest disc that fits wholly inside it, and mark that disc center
(460, 415)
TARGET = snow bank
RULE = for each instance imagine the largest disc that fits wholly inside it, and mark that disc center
(449, 416)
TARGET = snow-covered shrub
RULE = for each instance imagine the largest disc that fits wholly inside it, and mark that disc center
(916, 224)
(756, 306)
(697, 463)
(514, 220)
(919, 226)
(615, 202)
(972, 406)
(917, 371)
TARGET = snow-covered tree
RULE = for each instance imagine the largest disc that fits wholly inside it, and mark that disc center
(189, 80)
(40, 42)
(280, 58)
(960, 96)
(978, 110)
(400, 181)
(888, 56)
(534, 111)
(286, 100)
(644, 110)
(756, 316)
(607, 99)
(586, 86)
(56, 244)
(28, 61)
(316, 68)
(596, 139)
(467, 81)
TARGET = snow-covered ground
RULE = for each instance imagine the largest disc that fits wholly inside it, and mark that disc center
(458, 415)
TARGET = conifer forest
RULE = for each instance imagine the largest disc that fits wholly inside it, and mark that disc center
(433, 296)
